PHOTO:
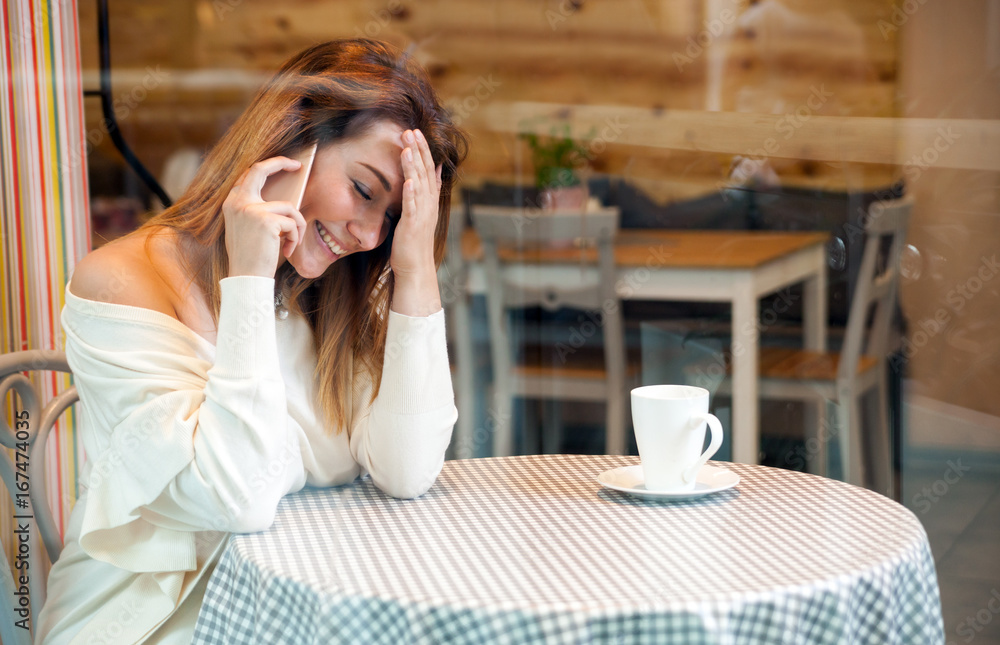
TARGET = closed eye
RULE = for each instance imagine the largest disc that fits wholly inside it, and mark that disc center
(361, 191)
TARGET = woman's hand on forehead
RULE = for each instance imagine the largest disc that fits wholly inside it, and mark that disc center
(412, 256)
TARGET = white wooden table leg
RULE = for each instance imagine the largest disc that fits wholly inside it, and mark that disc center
(745, 431)
(817, 433)
(814, 338)
(814, 306)
(465, 388)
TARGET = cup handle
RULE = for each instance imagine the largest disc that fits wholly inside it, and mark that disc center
(713, 446)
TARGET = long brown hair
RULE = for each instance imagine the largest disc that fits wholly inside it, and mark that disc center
(326, 93)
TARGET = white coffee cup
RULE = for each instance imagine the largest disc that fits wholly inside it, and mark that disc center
(669, 423)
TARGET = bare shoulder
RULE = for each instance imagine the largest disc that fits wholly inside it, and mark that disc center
(125, 272)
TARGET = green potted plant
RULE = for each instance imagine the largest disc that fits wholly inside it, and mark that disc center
(556, 158)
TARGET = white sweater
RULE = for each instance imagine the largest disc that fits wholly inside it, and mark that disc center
(187, 442)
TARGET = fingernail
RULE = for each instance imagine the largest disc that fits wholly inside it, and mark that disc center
(409, 154)
(408, 136)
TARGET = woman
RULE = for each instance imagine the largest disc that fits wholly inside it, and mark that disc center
(233, 350)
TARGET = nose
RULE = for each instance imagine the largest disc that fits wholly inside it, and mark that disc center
(367, 230)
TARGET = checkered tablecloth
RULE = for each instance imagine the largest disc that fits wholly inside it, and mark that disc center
(533, 550)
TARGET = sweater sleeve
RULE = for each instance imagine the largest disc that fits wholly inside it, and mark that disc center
(186, 450)
(400, 438)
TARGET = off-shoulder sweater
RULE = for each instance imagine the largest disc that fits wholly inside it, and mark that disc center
(187, 442)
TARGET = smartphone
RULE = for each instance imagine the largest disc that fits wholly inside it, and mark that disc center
(290, 185)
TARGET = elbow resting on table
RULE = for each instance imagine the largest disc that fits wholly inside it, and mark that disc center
(253, 518)
(405, 464)
(408, 487)
(248, 513)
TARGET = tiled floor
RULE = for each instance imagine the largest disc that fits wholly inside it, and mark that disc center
(962, 520)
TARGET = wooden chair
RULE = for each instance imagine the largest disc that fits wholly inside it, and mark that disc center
(512, 284)
(32, 425)
(841, 379)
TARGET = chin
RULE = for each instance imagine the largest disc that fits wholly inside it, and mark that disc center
(309, 270)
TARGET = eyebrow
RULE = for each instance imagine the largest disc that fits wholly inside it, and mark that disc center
(381, 177)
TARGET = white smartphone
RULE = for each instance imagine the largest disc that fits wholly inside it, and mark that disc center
(290, 185)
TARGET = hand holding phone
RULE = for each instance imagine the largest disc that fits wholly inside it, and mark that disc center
(263, 222)
(290, 185)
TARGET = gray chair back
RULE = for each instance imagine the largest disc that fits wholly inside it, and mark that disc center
(878, 281)
(526, 228)
(515, 284)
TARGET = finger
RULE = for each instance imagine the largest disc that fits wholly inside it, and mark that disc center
(285, 221)
(421, 153)
(288, 234)
(422, 159)
(411, 158)
(235, 191)
(292, 232)
(299, 223)
(257, 174)
(409, 198)
(410, 170)
(290, 212)
(427, 159)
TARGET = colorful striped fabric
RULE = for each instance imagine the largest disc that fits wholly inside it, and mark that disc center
(45, 222)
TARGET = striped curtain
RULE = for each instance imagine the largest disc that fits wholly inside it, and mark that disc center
(45, 222)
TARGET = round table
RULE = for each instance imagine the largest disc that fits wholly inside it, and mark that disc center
(534, 549)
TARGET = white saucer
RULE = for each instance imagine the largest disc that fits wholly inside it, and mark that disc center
(629, 479)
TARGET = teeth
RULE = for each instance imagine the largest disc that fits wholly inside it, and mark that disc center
(329, 240)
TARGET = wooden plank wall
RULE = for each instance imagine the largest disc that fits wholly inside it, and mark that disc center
(772, 56)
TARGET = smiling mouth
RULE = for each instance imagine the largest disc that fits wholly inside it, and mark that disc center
(323, 233)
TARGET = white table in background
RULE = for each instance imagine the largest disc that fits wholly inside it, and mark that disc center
(738, 267)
